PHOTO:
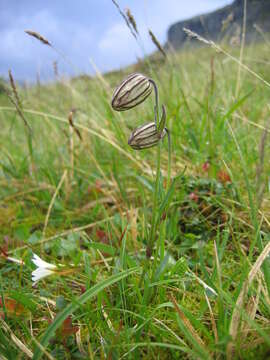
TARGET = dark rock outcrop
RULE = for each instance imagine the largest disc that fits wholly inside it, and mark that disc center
(225, 23)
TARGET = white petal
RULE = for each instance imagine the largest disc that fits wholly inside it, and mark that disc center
(17, 261)
(40, 273)
(41, 263)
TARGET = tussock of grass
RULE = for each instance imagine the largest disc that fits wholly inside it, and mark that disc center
(85, 202)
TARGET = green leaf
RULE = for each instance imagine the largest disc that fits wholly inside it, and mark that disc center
(168, 198)
(169, 195)
(162, 267)
(71, 308)
(108, 249)
(162, 122)
(236, 105)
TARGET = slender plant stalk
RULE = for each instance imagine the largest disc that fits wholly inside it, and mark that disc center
(169, 160)
(27, 129)
(156, 101)
(161, 244)
(241, 50)
(161, 240)
(151, 236)
(156, 191)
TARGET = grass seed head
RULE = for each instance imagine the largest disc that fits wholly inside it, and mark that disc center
(131, 92)
(157, 43)
(14, 88)
(38, 37)
(132, 20)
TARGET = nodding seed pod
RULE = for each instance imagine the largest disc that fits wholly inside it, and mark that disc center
(145, 136)
(131, 92)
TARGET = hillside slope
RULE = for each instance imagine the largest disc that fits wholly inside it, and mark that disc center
(225, 22)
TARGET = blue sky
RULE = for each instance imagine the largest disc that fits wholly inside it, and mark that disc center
(84, 30)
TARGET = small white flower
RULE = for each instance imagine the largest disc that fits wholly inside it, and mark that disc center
(43, 269)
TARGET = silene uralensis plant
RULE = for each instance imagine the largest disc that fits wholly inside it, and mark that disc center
(131, 92)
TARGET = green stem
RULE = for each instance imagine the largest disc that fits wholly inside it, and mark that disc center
(156, 191)
(157, 102)
(169, 160)
(155, 201)
(161, 239)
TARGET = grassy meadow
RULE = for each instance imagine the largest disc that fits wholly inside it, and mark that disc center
(82, 199)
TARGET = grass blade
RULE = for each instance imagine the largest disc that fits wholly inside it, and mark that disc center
(71, 308)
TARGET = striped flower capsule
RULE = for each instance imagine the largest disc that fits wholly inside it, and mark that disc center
(145, 136)
(131, 92)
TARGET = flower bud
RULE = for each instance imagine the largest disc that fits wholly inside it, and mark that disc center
(145, 136)
(131, 92)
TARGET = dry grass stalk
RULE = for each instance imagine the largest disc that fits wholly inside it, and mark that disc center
(241, 50)
(55, 69)
(72, 128)
(79, 342)
(17, 102)
(217, 262)
(44, 41)
(71, 151)
(260, 187)
(107, 319)
(181, 341)
(236, 316)
(52, 202)
(226, 22)
(157, 43)
(142, 165)
(132, 217)
(187, 323)
(125, 18)
(216, 47)
(196, 36)
(38, 37)
(212, 318)
(252, 307)
(14, 89)
(101, 77)
(19, 111)
(71, 123)
(212, 69)
(16, 341)
(132, 20)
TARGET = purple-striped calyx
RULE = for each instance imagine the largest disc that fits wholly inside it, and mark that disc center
(146, 136)
(131, 92)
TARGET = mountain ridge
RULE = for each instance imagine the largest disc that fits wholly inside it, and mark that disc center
(224, 23)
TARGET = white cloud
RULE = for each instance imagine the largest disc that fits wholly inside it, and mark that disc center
(118, 46)
(117, 39)
(27, 55)
(16, 45)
